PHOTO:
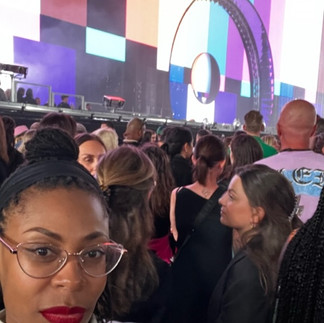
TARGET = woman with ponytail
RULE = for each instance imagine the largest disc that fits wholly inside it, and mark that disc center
(203, 243)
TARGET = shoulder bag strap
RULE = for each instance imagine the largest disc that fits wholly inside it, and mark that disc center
(206, 209)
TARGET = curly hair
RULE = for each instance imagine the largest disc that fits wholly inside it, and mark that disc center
(127, 177)
(301, 276)
(160, 198)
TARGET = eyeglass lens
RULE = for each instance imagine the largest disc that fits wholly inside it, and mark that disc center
(41, 260)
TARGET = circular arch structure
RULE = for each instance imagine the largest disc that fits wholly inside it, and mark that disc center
(258, 52)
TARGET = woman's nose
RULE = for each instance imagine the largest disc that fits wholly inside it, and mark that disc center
(222, 199)
(93, 167)
(71, 276)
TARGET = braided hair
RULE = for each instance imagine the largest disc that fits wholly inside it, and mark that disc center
(300, 295)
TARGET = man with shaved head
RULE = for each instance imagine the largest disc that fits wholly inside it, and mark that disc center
(134, 132)
(303, 167)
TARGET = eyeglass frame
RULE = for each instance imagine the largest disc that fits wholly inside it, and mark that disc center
(14, 251)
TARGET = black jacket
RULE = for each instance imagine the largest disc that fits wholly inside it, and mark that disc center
(239, 296)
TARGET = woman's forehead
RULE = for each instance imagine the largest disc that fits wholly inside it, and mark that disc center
(59, 208)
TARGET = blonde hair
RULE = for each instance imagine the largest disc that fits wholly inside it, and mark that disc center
(29, 134)
(270, 140)
(108, 136)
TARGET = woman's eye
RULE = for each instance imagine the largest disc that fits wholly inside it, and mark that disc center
(94, 253)
(40, 253)
(88, 160)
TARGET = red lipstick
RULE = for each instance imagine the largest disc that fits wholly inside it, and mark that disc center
(63, 314)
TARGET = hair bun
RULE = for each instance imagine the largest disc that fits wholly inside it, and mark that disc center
(51, 143)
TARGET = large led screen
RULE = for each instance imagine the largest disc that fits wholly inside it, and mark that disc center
(200, 60)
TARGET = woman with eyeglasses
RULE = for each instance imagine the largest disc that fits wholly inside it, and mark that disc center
(139, 290)
(55, 250)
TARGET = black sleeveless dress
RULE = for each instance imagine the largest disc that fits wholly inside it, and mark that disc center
(201, 262)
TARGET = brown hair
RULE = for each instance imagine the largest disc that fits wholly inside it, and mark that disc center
(59, 120)
(160, 198)
(270, 190)
(208, 151)
(127, 176)
(253, 121)
(84, 137)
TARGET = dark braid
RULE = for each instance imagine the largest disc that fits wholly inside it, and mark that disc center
(301, 276)
(51, 143)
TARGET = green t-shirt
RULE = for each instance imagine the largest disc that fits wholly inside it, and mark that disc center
(267, 150)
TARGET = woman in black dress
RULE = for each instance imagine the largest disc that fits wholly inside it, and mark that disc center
(200, 261)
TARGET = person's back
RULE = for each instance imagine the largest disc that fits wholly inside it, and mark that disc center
(160, 201)
(178, 145)
(204, 244)
(134, 132)
(20, 95)
(201, 262)
(64, 103)
(303, 167)
(254, 126)
(29, 98)
(140, 291)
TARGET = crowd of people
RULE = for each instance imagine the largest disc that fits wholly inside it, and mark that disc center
(162, 226)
